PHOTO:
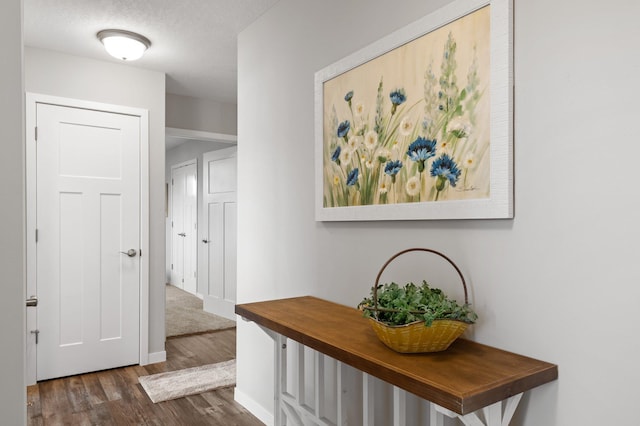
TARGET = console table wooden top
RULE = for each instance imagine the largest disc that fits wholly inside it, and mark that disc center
(466, 377)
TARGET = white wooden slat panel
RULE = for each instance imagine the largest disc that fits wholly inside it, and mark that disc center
(300, 375)
(368, 400)
(319, 388)
(342, 397)
(399, 407)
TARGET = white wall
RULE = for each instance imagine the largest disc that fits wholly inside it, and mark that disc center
(57, 74)
(12, 310)
(185, 112)
(559, 282)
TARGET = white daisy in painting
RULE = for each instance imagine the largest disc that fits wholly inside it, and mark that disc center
(354, 142)
(406, 126)
(395, 145)
(413, 186)
(359, 109)
(443, 147)
(383, 188)
(469, 161)
(371, 139)
(345, 156)
(336, 180)
(368, 164)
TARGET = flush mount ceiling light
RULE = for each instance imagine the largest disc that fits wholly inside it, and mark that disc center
(124, 45)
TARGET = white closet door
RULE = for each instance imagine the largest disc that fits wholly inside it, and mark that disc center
(88, 221)
(219, 232)
(184, 231)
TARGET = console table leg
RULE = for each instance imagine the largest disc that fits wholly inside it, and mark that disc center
(493, 414)
(510, 409)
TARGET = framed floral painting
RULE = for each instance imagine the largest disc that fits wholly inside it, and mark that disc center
(419, 124)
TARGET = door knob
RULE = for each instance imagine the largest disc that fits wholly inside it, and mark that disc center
(205, 241)
(130, 252)
(182, 234)
(32, 301)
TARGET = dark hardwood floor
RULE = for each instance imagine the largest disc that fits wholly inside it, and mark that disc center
(114, 397)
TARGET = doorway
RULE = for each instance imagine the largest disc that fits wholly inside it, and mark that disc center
(85, 184)
(184, 148)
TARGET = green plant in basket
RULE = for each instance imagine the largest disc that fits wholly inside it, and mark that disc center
(404, 305)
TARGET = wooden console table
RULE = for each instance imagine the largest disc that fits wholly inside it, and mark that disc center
(465, 380)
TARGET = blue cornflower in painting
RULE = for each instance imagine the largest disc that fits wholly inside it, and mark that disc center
(343, 129)
(421, 150)
(392, 168)
(336, 155)
(398, 97)
(348, 97)
(352, 178)
(444, 168)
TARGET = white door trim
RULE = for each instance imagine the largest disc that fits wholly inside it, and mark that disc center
(32, 99)
(188, 134)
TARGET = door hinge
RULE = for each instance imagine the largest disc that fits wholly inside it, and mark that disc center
(36, 235)
(172, 224)
(172, 266)
(36, 332)
(36, 131)
(172, 182)
(183, 280)
(194, 275)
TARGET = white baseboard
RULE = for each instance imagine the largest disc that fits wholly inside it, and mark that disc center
(157, 357)
(264, 415)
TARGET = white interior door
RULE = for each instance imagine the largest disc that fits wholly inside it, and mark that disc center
(219, 232)
(88, 214)
(184, 221)
(177, 232)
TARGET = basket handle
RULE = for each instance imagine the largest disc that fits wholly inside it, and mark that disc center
(375, 288)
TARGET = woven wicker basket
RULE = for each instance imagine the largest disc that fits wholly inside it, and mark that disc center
(416, 337)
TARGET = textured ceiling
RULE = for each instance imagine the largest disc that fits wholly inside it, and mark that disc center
(193, 41)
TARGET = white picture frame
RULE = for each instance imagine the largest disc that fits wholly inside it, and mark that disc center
(498, 203)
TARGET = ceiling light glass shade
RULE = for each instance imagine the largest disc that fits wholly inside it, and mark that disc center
(124, 45)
